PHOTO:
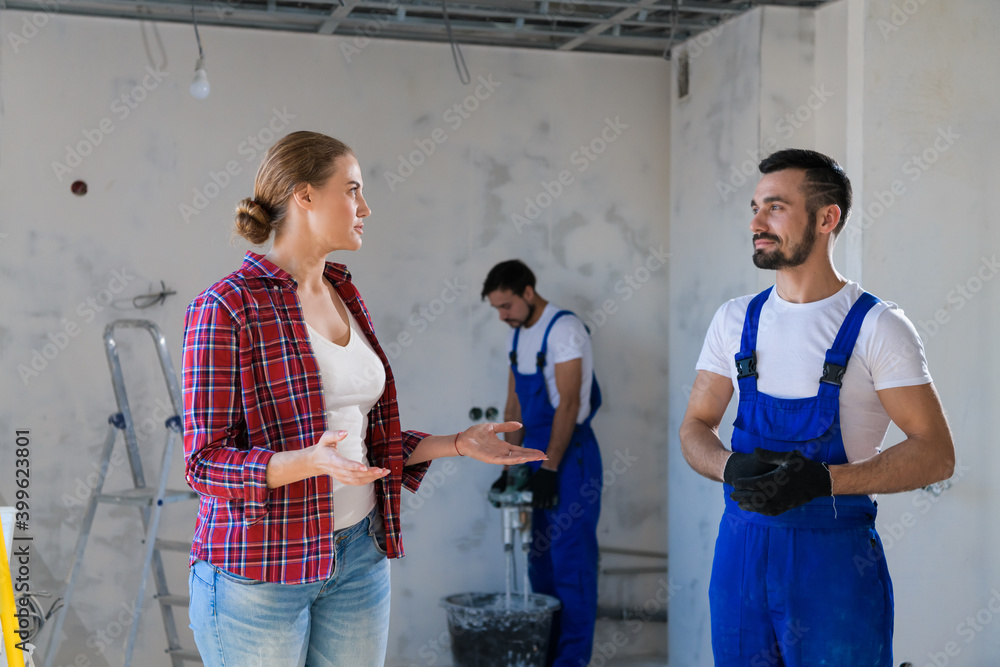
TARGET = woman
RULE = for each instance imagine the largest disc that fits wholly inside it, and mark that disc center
(292, 436)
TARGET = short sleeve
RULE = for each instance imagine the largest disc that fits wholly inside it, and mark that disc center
(715, 356)
(895, 352)
(568, 339)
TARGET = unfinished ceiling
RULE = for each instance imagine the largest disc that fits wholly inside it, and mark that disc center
(639, 27)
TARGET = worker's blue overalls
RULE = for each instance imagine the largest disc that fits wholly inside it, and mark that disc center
(563, 558)
(808, 587)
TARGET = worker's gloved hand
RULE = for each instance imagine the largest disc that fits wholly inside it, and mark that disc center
(544, 487)
(499, 486)
(795, 481)
(742, 465)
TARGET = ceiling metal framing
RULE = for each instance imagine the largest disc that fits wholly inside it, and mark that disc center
(637, 27)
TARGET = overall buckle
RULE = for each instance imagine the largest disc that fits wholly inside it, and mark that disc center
(833, 373)
(747, 367)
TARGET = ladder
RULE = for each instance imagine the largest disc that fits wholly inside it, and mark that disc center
(150, 501)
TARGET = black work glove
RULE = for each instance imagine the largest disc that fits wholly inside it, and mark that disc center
(544, 487)
(795, 481)
(742, 465)
(501, 484)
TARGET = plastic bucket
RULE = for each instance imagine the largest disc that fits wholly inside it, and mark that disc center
(7, 515)
(486, 632)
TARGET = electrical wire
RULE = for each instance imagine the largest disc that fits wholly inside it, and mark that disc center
(456, 51)
(674, 16)
(153, 298)
(201, 55)
(159, 41)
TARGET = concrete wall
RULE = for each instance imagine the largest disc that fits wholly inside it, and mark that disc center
(714, 151)
(898, 92)
(164, 172)
(931, 131)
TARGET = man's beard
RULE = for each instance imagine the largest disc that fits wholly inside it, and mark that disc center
(531, 313)
(776, 259)
(517, 324)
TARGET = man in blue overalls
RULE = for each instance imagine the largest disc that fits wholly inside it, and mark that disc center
(553, 392)
(820, 367)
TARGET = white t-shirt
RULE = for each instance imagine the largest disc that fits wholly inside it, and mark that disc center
(792, 340)
(568, 340)
(353, 381)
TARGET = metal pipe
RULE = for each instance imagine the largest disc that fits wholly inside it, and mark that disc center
(634, 570)
(633, 552)
(630, 613)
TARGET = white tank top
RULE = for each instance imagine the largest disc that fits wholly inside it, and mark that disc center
(353, 381)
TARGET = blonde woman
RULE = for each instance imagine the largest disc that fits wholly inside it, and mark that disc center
(292, 435)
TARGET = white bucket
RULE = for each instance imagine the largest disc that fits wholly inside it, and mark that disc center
(7, 515)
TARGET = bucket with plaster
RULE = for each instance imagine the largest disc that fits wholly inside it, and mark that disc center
(508, 629)
(497, 630)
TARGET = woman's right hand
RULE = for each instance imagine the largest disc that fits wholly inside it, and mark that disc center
(326, 460)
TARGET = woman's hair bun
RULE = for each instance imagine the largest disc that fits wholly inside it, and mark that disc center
(253, 222)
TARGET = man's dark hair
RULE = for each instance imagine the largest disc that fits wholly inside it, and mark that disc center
(825, 182)
(513, 275)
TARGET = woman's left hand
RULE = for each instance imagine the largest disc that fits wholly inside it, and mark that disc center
(480, 442)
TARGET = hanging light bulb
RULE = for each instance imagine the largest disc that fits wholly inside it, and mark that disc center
(199, 86)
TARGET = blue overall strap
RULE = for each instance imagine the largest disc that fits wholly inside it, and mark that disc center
(513, 349)
(843, 345)
(746, 358)
(545, 339)
(595, 389)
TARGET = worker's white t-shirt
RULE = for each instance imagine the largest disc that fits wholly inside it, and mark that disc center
(568, 340)
(792, 340)
(353, 380)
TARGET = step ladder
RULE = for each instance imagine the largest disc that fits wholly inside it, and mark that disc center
(149, 500)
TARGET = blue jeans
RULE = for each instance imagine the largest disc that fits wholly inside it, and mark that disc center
(342, 621)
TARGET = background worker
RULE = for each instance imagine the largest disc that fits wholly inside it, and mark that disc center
(552, 390)
(820, 367)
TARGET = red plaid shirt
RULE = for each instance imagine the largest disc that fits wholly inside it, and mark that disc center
(252, 388)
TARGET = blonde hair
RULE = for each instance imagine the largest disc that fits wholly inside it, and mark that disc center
(298, 158)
